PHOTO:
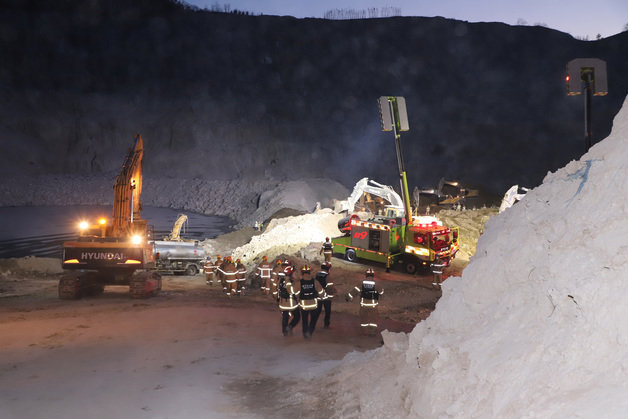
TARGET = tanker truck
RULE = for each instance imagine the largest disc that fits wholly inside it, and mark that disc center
(179, 257)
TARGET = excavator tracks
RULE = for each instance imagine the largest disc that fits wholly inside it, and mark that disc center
(141, 285)
(70, 287)
(144, 284)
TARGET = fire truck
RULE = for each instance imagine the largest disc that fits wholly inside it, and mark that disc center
(396, 238)
(395, 243)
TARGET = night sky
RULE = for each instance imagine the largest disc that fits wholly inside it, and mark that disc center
(580, 18)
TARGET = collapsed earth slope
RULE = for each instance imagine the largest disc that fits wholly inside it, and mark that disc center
(536, 325)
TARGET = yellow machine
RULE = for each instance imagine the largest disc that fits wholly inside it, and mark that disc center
(116, 252)
(175, 234)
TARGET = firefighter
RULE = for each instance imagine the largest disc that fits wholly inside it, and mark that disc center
(220, 276)
(286, 269)
(210, 270)
(327, 249)
(322, 277)
(369, 299)
(240, 277)
(229, 271)
(264, 270)
(288, 304)
(274, 278)
(309, 293)
(437, 269)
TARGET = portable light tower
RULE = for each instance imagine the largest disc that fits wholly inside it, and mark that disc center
(588, 75)
(394, 117)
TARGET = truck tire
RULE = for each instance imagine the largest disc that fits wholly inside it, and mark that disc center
(350, 255)
(191, 270)
(411, 266)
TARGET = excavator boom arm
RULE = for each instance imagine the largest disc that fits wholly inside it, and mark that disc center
(127, 191)
(175, 235)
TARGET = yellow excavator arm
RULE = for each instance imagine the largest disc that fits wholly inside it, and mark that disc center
(126, 193)
(175, 235)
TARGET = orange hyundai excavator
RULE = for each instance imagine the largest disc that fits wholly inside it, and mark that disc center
(115, 253)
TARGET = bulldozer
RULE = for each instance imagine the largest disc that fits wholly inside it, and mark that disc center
(117, 251)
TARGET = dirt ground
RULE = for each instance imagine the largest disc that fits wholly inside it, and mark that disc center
(188, 352)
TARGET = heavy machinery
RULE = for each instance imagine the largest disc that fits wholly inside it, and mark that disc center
(512, 196)
(371, 197)
(179, 257)
(450, 193)
(118, 252)
(175, 234)
(176, 255)
(362, 196)
(395, 238)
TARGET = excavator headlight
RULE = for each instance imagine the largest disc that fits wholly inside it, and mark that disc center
(136, 239)
(102, 221)
(83, 225)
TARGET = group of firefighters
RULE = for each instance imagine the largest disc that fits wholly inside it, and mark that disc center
(302, 299)
(231, 275)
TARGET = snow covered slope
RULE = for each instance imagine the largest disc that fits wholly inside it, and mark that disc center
(537, 326)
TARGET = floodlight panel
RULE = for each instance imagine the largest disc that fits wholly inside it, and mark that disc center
(578, 68)
(385, 114)
(403, 114)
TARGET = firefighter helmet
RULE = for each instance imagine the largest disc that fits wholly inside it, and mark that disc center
(326, 266)
(237, 260)
(370, 272)
(265, 258)
(305, 269)
(326, 239)
(278, 262)
(288, 270)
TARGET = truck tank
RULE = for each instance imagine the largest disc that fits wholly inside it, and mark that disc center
(169, 250)
(179, 257)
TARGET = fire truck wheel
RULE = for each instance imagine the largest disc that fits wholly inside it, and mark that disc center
(191, 270)
(411, 267)
(350, 255)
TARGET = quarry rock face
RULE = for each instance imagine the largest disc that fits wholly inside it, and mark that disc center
(220, 96)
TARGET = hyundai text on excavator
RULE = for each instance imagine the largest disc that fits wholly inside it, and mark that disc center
(396, 238)
(117, 252)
